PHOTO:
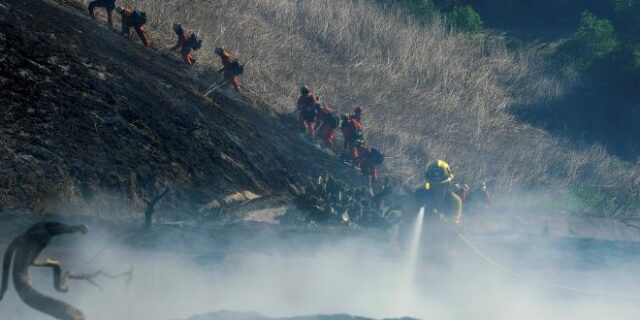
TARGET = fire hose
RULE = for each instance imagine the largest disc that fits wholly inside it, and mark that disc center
(539, 282)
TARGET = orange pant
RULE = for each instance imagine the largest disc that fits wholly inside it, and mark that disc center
(232, 79)
(355, 155)
(235, 83)
(309, 127)
(139, 30)
(369, 169)
(187, 56)
(348, 139)
(358, 153)
(326, 134)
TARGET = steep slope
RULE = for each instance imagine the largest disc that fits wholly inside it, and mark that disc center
(428, 92)
(94, 123)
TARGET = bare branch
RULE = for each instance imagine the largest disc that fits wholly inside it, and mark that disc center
(90, 277)
(629, 225)
(150, 210)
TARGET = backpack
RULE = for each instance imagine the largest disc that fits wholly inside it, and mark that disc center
(376, 156)
(194, 42)
(139, 17)
(236, 67)
(333, 120)
(309, 114)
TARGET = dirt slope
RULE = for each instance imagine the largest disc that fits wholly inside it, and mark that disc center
(93, 123)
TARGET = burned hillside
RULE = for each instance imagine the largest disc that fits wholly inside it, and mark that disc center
(94, 123)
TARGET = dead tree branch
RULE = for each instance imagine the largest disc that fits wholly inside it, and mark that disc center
(629, 225)
(90, 277)
(150, 210)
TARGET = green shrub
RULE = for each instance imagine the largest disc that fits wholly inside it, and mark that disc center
(594, 39)
(464, 18)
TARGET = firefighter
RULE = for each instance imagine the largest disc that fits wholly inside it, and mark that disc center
(473, 197)
(442, 213)
(358, 148)
(461, 190)
(327, 122)
(231, 68)
(371, 159)
(486, 195)
(347, 135)
(436, 196)
(184, 44)
(357, 114)
(353, 138)
(354, 124)
(133, 19)
(307, 107)
(108, 5)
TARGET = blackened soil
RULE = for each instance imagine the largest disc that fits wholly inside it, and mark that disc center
(93, 123)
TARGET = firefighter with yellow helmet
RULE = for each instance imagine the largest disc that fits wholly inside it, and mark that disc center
(436, 196)
(442, 214)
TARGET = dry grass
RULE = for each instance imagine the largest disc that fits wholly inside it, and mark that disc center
(428, 93)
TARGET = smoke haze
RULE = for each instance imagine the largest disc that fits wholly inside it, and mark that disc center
(282, 274)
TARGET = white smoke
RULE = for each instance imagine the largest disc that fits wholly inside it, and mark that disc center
(291, 273)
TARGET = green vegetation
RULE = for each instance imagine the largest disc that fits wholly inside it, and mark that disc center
(594, 39)
(326, 200)
(627, 23)
(603, 35)
(616, 39)
(464, 18)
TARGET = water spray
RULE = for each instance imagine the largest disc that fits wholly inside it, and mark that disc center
(408, 288)
(414, 246)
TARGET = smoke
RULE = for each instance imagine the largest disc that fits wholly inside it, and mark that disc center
(181, 272)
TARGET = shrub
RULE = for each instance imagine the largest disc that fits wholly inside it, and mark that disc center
(327, 200)
(594, 39)
(464, 18)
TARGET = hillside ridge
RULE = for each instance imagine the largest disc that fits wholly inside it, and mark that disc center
(94, 124)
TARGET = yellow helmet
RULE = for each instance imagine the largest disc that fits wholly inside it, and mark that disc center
(438, 172)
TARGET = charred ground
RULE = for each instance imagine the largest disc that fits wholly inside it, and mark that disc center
(94, 123)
